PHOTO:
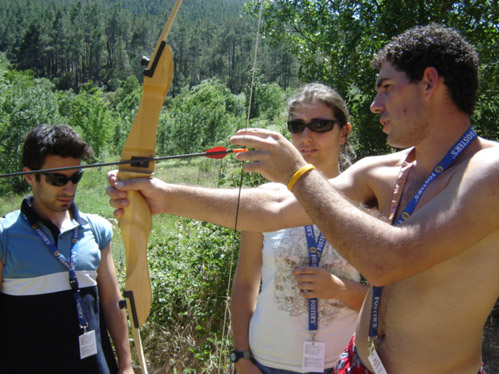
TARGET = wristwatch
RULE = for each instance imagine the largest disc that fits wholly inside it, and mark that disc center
(237, 355)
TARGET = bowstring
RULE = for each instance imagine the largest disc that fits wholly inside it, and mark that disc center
(231, 262)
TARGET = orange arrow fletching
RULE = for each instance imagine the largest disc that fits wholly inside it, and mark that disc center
(216, 152)
(221, 152)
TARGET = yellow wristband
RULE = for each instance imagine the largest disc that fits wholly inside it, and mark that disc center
(299, 173)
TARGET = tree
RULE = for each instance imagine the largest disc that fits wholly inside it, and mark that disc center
(125, 104)
(24, 104)
(90, 116)
(30, 52)
(78, 41)
(268, 100)
(198, 118)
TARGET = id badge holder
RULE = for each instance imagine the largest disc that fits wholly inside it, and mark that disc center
(88, 344)
(314, 355)
(375, 360)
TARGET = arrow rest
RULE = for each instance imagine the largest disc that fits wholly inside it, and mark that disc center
(144, 61)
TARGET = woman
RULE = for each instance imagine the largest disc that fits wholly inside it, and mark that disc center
(275, 331)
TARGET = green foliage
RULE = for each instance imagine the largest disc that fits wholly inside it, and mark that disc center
(124, 104)
(190, 271)
(90, 116)
(198, 118)
(24, 104)
(268, 99)
(194, 288)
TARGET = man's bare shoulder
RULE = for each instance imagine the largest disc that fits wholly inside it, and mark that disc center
(486, 143)
(368, 180)
(387, 160)
(486, 159)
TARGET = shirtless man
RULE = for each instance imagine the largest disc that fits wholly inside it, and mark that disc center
(438, 268)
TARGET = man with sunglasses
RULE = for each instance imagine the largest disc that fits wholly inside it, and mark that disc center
(58, 283)
(436, 253)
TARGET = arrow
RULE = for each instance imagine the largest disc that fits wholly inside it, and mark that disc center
(215, 153)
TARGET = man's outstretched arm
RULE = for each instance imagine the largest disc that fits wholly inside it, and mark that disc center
(260, 209)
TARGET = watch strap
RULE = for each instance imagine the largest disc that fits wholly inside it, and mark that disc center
(237, 355)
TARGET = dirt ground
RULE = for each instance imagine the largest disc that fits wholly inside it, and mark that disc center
(490, 351)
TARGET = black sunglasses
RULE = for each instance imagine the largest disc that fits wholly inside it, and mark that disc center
(296, 126)
(59, 180)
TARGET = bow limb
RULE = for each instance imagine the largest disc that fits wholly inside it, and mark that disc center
(135, 227)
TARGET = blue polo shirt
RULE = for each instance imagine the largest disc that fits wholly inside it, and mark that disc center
(39, 327)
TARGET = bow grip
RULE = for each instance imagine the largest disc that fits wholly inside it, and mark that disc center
(135, 225)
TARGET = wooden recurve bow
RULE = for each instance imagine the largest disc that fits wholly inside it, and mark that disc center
(136, 222)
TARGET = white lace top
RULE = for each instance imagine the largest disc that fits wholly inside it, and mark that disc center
(279, 325)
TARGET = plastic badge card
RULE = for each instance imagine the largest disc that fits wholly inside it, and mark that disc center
(376, 363)
(314, 354)
(88, 344)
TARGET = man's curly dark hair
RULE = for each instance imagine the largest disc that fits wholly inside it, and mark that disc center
(441, 47)
(58, 140)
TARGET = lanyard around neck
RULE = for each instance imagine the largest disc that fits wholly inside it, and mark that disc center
(70, 265)
(456, 150)
(315, 249)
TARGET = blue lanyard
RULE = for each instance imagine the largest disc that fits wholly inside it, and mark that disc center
(315, 249)
(447, 161)
(70, 265)
(457, 149)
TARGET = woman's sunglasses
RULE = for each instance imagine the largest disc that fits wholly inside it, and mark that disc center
(296, 126)
(59, 180)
